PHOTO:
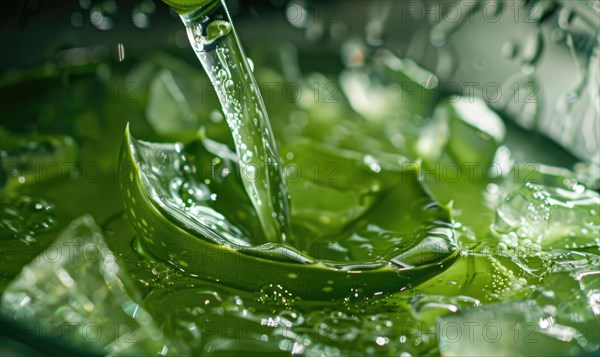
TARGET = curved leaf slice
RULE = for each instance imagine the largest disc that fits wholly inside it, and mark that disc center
(174, 217)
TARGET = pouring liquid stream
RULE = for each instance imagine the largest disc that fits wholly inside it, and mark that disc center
(213, 38)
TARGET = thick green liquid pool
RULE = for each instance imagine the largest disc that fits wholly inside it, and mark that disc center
(524, 280)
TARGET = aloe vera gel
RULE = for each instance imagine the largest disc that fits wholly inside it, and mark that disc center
(216, 44)
(329, 226)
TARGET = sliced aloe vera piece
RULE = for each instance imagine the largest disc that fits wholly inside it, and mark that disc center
(183, 228)
(76, 293)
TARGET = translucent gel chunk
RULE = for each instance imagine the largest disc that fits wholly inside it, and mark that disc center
(77, 289)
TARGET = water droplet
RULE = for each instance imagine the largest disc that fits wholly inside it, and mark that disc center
(140, 15)
(103, 14)
(509, 50)
(222, 75)
(528, 69)
(572, 97)
(381, 341)
(565, 18)
(437, 38)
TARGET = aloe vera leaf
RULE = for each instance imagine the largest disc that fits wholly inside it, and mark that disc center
(220, 252)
